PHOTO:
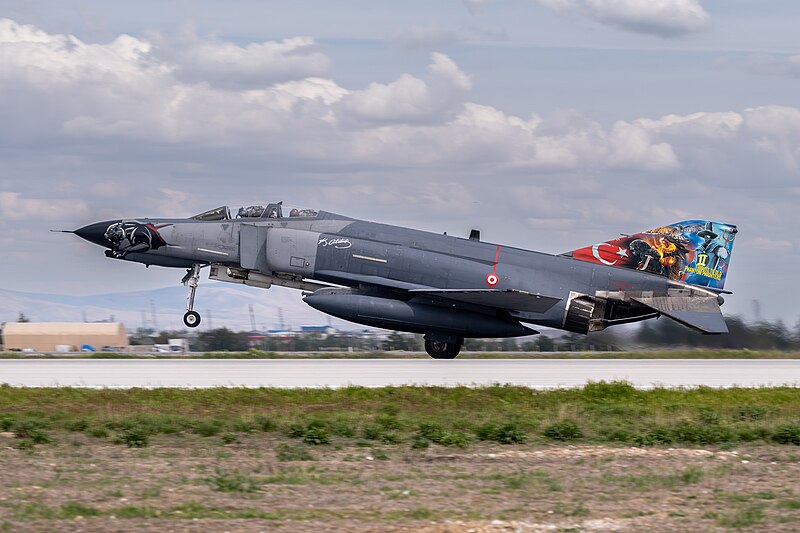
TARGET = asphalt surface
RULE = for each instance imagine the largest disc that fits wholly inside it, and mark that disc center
(288, 373)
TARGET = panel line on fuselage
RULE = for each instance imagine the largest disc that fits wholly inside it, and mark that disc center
(368, 258)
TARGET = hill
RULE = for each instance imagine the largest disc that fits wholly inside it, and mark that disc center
(220, 305)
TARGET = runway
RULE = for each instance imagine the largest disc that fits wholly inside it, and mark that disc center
(335, 373)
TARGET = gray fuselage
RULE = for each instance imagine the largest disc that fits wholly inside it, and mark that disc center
(389, 261)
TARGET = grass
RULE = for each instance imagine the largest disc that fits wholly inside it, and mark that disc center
(134, 437)
(509, 433)
(222, 481)
(525, 479)
(749, 516)
(565, 430)
(687, 476)
(792, 505)
(288, 452)
(196, 510)
(415, 417)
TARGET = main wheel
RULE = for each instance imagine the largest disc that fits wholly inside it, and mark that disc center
(442, 350)
(191, 319)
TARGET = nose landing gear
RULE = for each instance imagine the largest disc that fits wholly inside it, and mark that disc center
(191, 318)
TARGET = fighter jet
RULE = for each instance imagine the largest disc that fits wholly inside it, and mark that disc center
(442, 286)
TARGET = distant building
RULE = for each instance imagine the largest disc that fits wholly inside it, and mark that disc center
(63, 336)
(174, 346)
(324, 330)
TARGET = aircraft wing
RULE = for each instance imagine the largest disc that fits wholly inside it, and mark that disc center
(510, 299)
(700, 313)
(344, 277)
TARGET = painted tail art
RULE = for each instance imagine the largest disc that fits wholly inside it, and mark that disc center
(693, 251)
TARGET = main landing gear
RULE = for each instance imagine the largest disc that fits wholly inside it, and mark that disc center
(191, 318)
(443, 347)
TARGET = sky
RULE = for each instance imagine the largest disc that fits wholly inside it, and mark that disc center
(546, 124)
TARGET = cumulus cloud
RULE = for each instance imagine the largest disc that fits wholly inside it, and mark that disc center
(712, 126)
(481, 134)
(127, 98)
(771, 130)
(68, 91)
(226, 64)
(775, 130)
(411, 99)
(665, 18)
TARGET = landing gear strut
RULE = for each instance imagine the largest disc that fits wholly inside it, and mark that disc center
(443, 347)
(191, 318)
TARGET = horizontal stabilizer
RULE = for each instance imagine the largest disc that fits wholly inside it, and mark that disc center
(700, 313)
(509, 299)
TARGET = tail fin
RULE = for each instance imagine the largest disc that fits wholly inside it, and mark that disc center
(694, 251)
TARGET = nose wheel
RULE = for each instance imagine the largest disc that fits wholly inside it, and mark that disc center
(191, 318)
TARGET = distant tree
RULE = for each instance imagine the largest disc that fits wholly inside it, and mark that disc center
(796, 336)
(402, 341)
(343, 341)
(163, 337)
(762, 335)
(572, 342)
(306, 343)
(509, 345)
(222, 340)
(545, 343)
(22, 317)
(604, 341)
(490, 345)
(476, 345)
(141, 336)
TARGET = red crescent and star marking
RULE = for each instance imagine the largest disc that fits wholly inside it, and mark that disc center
(492, 279)
(621, 252)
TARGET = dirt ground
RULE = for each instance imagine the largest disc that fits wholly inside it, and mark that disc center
(188, 483)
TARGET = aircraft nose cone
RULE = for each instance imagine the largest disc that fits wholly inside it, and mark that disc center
(96, 233)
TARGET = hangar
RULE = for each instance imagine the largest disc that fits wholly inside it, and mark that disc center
(63, 336)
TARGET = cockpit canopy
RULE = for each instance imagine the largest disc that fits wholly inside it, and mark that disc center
(256, 211)
(218, 213)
